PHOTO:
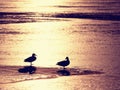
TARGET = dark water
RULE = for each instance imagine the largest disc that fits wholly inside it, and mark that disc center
(86, 31)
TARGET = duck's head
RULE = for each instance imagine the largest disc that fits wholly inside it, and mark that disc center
(67, 58)
(33, 54)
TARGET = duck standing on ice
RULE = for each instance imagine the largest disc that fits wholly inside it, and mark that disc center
(64, 63)
(31, 59)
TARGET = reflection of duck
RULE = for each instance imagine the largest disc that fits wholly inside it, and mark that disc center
(63, 72)
(26, 69)
(31, 59)
(64, 63)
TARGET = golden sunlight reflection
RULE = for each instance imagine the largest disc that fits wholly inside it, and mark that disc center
(51, 41)
(48, 41)
(40, 5)
(45, 2)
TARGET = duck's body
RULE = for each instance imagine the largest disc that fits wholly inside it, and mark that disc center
(64, 63)
(31, 59)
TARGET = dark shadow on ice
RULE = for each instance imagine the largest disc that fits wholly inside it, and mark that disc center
(11, 76)
(63, 72)
(73, 71)
(27, 69)
(84, 72)
(87, 72)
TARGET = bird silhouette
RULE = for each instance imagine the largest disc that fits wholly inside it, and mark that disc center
(64, 63)
(31, 59)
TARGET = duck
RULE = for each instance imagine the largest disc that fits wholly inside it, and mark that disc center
(31, 59)
(64, 63)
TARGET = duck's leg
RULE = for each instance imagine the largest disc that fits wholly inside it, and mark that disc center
(30, 63)
(63, 67)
